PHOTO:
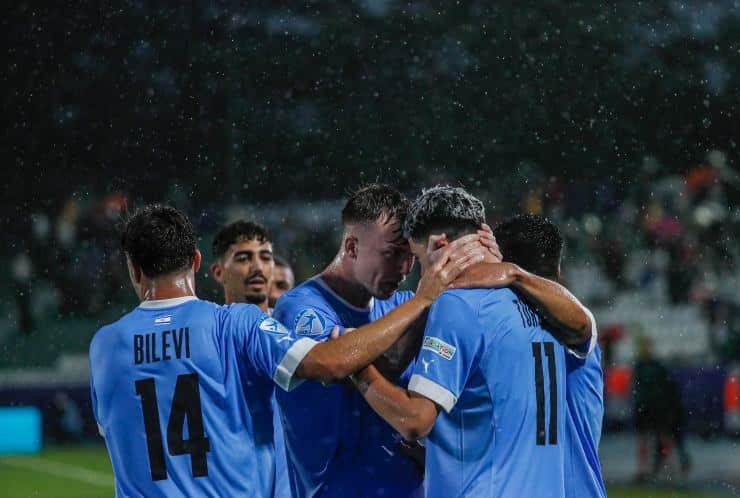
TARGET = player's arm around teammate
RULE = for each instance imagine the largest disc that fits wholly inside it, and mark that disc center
(576, 324)
(412, 414)
(335, 360)
(397, 358)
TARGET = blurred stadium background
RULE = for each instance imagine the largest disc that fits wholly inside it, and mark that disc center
(618, 120)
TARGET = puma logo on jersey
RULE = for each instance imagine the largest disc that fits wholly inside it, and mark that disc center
(426, 364)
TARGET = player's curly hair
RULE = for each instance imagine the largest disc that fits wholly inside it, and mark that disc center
(159, 239)
(443, 209)
(240, 230)
(532, 242)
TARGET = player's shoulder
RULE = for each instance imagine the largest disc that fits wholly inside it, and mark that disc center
(104, 333)
(499, 303)
(309, 296)
(473, 297)
(383, 306)
(502, 297)
(307, 292)
(464, 300)
(241, 311)
(475, 301)
(400, 297)
(109, 332)
(241, 320)
(141, 318)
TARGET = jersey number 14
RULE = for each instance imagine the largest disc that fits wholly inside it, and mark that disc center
(185, 403)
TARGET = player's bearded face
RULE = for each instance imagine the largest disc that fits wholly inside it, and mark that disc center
(247, 271)
(383, 258)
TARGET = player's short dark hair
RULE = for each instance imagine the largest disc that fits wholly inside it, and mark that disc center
(444, 209)
(238, 231)
(368, 203)
(532, 242)
(159, 239)
(279, 261)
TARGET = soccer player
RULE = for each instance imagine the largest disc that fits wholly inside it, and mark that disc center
(534, 244)
(181, 387)
(244, 264)
(245, 267)
(283, 280)
(336, 445)
(488, 388)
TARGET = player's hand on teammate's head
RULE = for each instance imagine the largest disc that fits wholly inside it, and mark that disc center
(489, 241)
(486, 275)
(439, 247)
(447, 263)
(482, 242)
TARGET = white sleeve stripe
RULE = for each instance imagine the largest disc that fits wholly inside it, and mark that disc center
(100, 430)
(285, 371)
(594, 331)
(433, 391)
(592, 342)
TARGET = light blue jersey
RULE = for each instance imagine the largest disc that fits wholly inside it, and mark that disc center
(282, 480)
(337, 445)
(585, 410)
(181, 390)
(500, 379)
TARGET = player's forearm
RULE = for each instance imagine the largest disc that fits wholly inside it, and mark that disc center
(395, 405)
(558, 304)
(334, 360)
(397, 358)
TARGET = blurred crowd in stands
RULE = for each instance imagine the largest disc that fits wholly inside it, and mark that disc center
(675, 229)
(678, 228)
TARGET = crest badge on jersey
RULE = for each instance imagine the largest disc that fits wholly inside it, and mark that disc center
(272, 325)
(310, 323)
(440, 347)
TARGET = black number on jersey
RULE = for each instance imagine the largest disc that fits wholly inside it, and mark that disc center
(185, 403)
(539, 385)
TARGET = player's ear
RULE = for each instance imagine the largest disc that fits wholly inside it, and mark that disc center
(441, 241)
(350, 246)
(217, 271)
(434, 242)
(197, 260)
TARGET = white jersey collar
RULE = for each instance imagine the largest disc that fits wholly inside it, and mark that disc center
(165, 303)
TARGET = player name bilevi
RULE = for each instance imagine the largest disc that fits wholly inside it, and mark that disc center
(162, 345)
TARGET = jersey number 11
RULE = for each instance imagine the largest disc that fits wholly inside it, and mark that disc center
(539, 385)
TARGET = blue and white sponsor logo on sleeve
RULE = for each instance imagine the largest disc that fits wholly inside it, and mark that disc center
(439, 347)
(309, 323)
(272, 325)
